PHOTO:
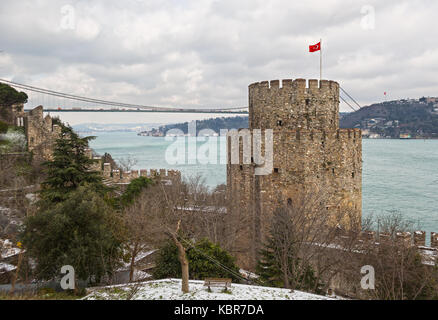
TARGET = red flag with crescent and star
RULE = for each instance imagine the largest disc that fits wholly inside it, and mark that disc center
(315, 47)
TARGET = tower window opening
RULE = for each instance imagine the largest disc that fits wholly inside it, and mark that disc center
(352, 174)
(280, 123)
(241, 168)
(276, 170)
(333, 171)
(289, 202)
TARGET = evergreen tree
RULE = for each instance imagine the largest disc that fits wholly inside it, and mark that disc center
(10, 96)
(134, 189)
(69, 168)
(280, 264)
(201, 267)
(268, 269)
(82, 231)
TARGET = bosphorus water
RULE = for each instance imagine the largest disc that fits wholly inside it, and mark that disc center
(398, 175)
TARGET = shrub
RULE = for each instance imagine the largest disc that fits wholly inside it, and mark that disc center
(82, 231)
(10, 96)
(134, 189)
(3, 127)
(200, 267)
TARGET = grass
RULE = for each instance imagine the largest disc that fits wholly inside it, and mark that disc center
(42, 294)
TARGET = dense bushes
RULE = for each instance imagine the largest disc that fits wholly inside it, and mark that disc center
(75, 223)
(200, 266)
(10, 96)
(82, 231)
(3, 127)
(134, 189)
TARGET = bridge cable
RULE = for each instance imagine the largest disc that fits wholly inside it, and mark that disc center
(348, 95)
(104, 102)
(347, 103)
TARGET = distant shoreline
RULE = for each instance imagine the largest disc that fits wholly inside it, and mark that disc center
(426, 138)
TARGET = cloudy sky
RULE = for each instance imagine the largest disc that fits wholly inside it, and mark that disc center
(205, 53)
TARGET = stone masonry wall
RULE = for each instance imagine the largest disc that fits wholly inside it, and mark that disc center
(13, 115)
(41, 133)
(116, 176)
(311, 153)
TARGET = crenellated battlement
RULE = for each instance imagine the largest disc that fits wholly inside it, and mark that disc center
(416, 239)
(301, 134)
(118, 176)
(298, 85)
(291, 104)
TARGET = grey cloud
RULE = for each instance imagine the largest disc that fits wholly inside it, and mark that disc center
(205, 53)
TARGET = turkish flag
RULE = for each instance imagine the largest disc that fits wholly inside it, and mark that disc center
(315, 47)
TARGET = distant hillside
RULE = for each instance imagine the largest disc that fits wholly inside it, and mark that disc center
(410, 118)
(213, 124)
(415, 118)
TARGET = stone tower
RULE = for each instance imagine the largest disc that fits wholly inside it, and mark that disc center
(310, 153)
(41, 133)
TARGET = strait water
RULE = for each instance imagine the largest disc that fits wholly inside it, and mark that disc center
(398, 175)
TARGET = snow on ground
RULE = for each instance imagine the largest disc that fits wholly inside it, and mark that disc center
(247, 274)
(7, 249)
(5, 267)
(170, 289)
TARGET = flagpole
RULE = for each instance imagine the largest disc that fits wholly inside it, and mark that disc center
(320, 60)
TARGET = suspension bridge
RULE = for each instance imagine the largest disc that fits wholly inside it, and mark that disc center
(55, 101)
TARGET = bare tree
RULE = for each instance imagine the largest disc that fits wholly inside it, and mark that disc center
(142, 220)
(402, 270)
(182, 257)
(127, 163)
(164, 211)
(304, 234)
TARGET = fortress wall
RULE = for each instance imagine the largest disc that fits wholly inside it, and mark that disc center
(304, 160)
(311, 155)
(118, 176)
(40, 133)
(13, 114)
(239, 194)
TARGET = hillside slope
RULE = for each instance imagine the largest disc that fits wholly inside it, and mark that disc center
(415, 118)
(215, 124)
(391, 119)
(170, 289)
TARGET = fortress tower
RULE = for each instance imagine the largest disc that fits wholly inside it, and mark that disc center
(310, 154)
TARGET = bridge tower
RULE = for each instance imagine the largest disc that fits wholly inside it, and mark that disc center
(311, 154)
